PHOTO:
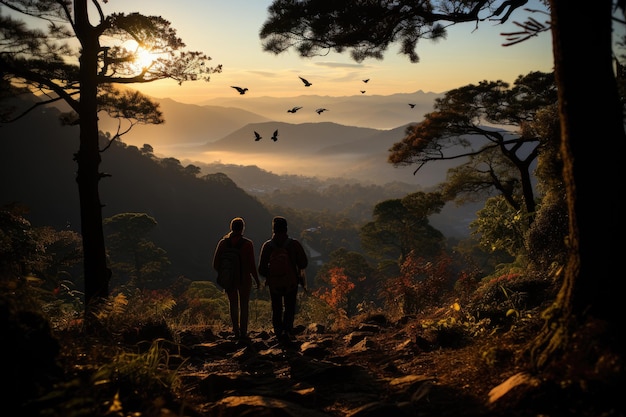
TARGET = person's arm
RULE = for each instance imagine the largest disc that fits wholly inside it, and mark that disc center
(301, 259)
(216, 255)
(249, 256)
(264, 258)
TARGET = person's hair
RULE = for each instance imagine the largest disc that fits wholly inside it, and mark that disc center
(279, 224)
(237, 224)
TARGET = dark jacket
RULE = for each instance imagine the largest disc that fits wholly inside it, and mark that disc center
(247, 255)
(295, 249)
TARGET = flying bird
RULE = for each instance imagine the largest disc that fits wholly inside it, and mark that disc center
(412, 105)
(365, 81)
(293, 110)
(257, 137)
(275, 135)
(242, 91)
(306, 83)
(320, 110)
(362, 91)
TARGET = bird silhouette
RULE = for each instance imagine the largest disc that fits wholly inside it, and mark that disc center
(294, 109)
(412, 105)
(242, 91)
(362, 91)
(306, 83)
(320, 110)
(365, 81)
(275, 135)
(257, 137)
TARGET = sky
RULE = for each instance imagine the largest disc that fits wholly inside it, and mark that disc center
(228, 32)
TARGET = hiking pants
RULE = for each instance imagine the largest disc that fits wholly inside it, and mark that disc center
(282, 318)
(239, 304)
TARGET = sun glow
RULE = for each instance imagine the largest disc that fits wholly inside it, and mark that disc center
(143, 57)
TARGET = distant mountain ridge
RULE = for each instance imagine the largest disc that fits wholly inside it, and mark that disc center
(370, 111)
(193, 124)
(323, 150)
(351, 139)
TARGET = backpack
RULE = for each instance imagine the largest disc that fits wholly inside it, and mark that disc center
(282, 276)
(229, 273)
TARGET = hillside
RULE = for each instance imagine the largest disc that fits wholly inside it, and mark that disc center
(192, 214)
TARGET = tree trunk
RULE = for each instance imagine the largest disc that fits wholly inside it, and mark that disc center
(592, 147)
(97, 274)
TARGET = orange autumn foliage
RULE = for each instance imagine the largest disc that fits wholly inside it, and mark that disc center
(336, 295)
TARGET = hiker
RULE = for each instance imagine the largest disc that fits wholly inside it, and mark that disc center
(283, 299)
(239, 293)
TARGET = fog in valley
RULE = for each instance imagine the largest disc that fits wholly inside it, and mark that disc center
(349, 140)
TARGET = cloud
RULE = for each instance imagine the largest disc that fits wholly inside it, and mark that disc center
(339, 65)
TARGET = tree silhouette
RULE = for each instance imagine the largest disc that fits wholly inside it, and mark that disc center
(401, 226)
(79, 62)
(499, 160)
(131, 250)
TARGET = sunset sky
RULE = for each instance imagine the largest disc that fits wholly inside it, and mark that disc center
(228, 31)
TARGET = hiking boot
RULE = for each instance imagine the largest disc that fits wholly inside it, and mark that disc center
(290, 336)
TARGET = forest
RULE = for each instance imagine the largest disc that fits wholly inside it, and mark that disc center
(520, 318)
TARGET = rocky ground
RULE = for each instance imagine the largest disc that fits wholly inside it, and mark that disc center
(377, 369)
(374, 368)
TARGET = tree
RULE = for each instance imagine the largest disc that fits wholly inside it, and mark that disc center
(358, 271)
(130, 249)
(499, 160)
(500, 227)
(401, 226)
(78, 62)
(337, 293)
(587, 295)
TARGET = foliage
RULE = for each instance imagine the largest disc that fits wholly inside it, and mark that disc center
(421, 284)
(451, 327)
(314, 310)
(401, 226)
(133, 308)
(151, 370)
(461, 128)
(546, 239)
(19, 246)
(135, 259)
(64, 310)
(366, 29)
(336, 294)
(508, 296)
(500, 227)
(357, 270)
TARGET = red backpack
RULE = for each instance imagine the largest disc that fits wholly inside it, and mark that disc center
(283, 273)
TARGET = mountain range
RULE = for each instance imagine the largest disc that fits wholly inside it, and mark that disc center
(350, 140)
